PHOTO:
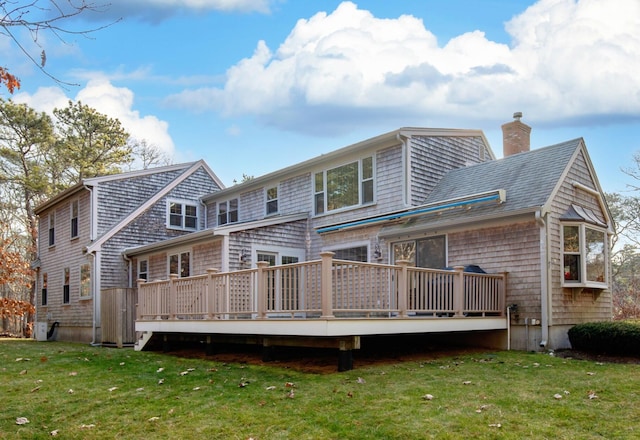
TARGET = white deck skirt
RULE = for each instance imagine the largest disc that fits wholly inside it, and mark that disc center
(323, 327)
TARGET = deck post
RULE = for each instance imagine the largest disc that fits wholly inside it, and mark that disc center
(262, 289)
(139, 283)
(458, 291)
(403, 287)
(326, 284)
(211, 293)
(173, 296)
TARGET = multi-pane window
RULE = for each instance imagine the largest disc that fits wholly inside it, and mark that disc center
(180, 264)
(584, 255)
(43, 292)
(74, 219)
(272, 200)
(65, 287)
(345, 186)
(183, 215)
(52, 228)
(428, 252)
(358, 253)
(85, 281)
(143, 270)
(228, 212)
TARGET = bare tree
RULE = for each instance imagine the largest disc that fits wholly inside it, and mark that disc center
(149, 155)
(54, 17)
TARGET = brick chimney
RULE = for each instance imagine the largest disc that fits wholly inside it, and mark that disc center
(515, 136)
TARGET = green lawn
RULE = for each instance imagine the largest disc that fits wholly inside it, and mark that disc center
(83, 392)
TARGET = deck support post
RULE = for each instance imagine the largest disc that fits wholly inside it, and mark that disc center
(458, 291)
(173, 296)
(262, 289)
(208, 346)
(211, 294)
(403, 287)
(326, 285)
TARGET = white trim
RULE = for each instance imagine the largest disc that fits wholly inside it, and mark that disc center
(183, 203)
(142, 208)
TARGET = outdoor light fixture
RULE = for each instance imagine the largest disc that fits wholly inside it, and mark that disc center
(377, 253)
(244, 256)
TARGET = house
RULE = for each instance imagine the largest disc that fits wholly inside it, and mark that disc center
(83, 231)
(429, 199)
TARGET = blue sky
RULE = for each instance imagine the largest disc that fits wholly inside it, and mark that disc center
(252, 86)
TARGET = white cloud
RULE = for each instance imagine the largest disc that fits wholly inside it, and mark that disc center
(568, 60)
(115, 102)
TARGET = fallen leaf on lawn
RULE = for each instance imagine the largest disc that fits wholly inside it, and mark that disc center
(113, 389)
(289, 385)
(160, 370)
(22, 421)
(592, 395)
(154, 418)
(121, 363)
(196, 388)
(73, 373)
(590, 373)
(23, 372)
(428, 397)
(495, 425)
(89, 426)
(33, 390)
(243, 384)
(70, 391)
(270, 388)
(140, 389)
(482, 408)
(566, 392)
(191, 369)
(43, 359)
(349, 394)
(161, 381)
(170, 411)
(22, 359)
(466, 382)
(184, 373)
(54, 432)
(557, 396)
(361, 380)
(291, 395)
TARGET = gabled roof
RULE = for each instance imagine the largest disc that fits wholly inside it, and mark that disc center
(530, 181)
(378, 142)
(529, 178)
(92, 181)
(194, 166)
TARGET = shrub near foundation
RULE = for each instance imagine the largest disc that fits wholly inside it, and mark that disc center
(617, 337)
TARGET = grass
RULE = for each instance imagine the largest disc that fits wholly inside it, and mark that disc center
(83, 392)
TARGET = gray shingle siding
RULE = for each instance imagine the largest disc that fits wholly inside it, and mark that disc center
(432, 156)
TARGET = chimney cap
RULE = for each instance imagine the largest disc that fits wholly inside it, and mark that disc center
(517, 116)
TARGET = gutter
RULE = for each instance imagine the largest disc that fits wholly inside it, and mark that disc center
(498, 195)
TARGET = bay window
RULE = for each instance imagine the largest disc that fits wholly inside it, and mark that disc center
(584, 256)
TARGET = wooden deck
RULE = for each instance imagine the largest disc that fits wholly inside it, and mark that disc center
(325, 298)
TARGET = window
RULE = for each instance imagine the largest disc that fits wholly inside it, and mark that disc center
(345, 186)
(65, 287)
(272, 200)
(228, 212)
(74, 219)
(427, 252)
(52, 228)
(43, 295)
(85, 281)
(182, 215)
(143, 270)
(180, 264)
(584, 256)
(359, 253)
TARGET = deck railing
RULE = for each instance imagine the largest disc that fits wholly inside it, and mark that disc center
(324, 288)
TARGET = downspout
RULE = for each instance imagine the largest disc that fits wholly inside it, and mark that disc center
(93, 290)
(545, 285)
